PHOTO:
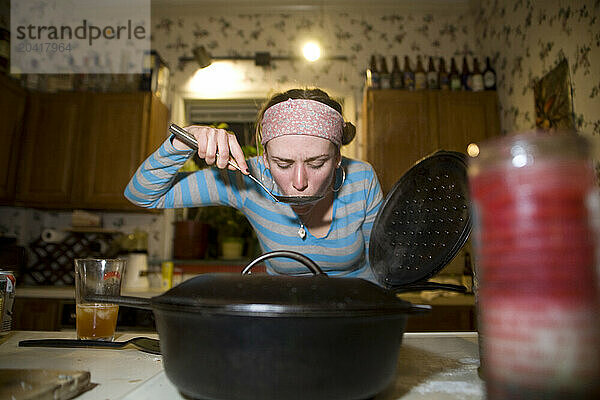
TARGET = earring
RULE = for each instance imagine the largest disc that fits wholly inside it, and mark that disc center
(343, 179)
(263, 179)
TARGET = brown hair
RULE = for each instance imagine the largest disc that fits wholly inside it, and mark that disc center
(349, 131)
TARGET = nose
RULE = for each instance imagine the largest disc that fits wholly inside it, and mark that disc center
(300, 180)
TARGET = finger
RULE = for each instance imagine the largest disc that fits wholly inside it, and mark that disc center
(211, 146)
(178, 143)
(236, 152)
(199, 132)
(223, 148)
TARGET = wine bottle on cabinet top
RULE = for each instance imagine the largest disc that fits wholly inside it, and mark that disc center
(385, 76)
(396, 74)
(373, 80)
(476, 77)
(489, 76)
(444, 76)
(433, 78)
(420, 76)
(455, 83)
(465, 75)
(409, 75)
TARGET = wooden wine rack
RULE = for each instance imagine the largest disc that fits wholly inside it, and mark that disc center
(53, 263)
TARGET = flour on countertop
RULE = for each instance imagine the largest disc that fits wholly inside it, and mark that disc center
(449, 387)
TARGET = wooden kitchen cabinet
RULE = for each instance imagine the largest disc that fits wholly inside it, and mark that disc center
(401, 127)
(123, 130)
(50, 148)
(454, 318)
(12, 107)
(37, 314)
(81, 149)
(465, 117)
(454, 313)
(55, 314)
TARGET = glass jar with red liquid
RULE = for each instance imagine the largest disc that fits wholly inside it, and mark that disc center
(536, 215)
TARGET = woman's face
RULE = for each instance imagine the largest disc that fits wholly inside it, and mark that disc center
(302, 165)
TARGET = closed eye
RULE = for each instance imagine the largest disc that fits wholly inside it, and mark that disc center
(313, 162)
(316, 165)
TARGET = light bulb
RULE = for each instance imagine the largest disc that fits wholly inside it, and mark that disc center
(311, 51)
(473, 150)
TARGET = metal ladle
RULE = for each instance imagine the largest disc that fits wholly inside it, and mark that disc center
(191, 141)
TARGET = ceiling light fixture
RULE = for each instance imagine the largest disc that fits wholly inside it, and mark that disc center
(311, 51)
(201, 56)
(262, 59)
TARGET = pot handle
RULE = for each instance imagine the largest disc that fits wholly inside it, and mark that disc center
(419, 309)
(129, 301)
(302, 259)
(430, 286)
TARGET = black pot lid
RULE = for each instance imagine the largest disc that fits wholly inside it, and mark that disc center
(423, 222)
(273, 296)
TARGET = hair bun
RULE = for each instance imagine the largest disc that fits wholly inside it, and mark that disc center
(348, 133)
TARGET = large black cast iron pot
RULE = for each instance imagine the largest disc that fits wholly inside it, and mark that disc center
(235, 337)
(229, 336)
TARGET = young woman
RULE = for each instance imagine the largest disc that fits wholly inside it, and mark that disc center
(301, 131)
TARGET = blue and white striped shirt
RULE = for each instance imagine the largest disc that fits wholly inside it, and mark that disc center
(343, 251)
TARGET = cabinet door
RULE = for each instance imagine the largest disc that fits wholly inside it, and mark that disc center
(36, 314)
(445, 319)
(113, 148)
(159, 124)
(466, 118)
(12, 107)
(399, 126)
(52, 128)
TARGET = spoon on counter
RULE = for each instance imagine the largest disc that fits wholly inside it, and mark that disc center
(191, 141)
(141, 343)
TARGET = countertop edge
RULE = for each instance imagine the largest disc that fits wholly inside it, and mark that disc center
(68, 293)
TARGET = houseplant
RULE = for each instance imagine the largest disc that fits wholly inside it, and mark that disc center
(232, 227)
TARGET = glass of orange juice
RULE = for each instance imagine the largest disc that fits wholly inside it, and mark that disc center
(97, 321)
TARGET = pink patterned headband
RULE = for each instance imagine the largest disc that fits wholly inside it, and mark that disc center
(302, 117)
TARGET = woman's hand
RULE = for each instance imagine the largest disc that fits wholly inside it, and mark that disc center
(215, 146)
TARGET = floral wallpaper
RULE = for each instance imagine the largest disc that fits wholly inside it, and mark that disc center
(355, 36)
(445, 33)
(526, 39)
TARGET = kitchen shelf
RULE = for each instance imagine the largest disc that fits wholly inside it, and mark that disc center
(85, 229)
(202, 266)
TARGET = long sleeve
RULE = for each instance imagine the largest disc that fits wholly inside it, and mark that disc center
(157, 184)
(342, 252)
(374, 200)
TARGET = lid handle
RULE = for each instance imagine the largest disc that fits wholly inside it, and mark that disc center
(302, 259)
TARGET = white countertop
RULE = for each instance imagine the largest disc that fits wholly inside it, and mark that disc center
(117, 372)
(436, 366)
